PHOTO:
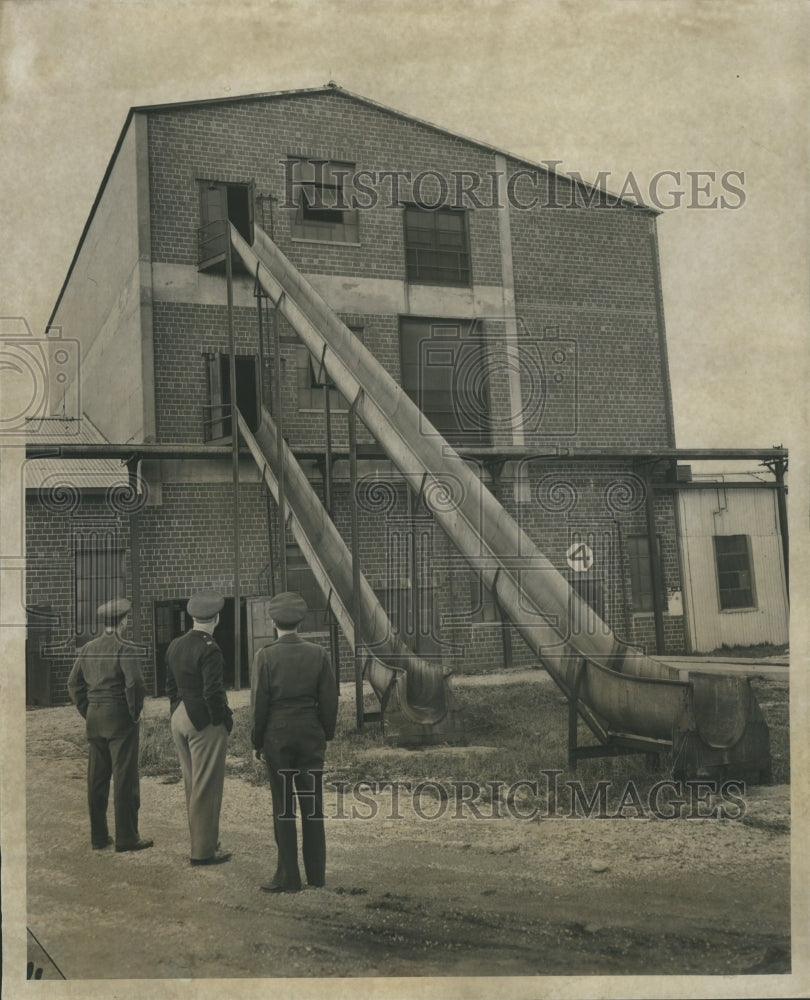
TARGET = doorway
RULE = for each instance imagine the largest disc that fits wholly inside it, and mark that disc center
(172, 620)
(219, 204)
(248, 394)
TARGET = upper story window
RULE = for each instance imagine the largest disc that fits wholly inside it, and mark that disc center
(436, 246)
(322, 193)
(221, 204)
(735, 579)
(312, 380)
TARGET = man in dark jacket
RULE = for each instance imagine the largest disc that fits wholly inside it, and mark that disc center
(107, 687)
(201, 721)
(294, 714)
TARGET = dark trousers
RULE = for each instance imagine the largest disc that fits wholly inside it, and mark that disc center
(113, 741)
(297, 745)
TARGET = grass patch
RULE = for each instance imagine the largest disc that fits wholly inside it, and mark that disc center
(523, 726)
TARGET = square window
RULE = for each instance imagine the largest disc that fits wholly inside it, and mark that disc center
(436, 246)
(322, 195)
(735, 580)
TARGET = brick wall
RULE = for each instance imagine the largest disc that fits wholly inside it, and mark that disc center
(52, 532)
(248, 141)
(585, 287)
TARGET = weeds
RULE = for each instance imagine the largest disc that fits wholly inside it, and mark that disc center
(515, 733)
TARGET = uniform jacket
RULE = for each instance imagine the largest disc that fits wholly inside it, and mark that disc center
(194, 675)
(105, 673)
(293, 676)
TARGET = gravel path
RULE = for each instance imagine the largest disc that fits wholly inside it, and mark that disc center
(410, 896)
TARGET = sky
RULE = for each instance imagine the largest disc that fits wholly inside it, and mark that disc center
(626, 88)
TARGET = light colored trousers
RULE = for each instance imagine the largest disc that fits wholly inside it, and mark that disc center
(202, 760)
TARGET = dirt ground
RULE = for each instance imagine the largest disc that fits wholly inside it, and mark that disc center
(405, 896)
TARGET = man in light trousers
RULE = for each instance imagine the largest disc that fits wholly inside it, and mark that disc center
(201, 722)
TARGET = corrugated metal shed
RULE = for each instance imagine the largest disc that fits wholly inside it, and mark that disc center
(715, 511)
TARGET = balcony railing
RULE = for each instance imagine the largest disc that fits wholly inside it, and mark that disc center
(216, 421)
(212, 242)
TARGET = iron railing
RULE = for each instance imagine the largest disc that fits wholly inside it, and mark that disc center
(216, 421)
(212, 241)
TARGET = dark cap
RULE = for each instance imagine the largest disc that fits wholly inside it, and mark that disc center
(287, 609)
(205, 605)
(113, 610)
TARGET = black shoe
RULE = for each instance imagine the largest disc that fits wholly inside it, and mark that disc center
(216, 859)
(275, 887)
(100, 847)
(139, 845)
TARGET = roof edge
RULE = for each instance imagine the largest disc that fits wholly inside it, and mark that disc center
(330, 87)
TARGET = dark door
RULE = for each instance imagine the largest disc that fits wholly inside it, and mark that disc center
(223, 634)
(247, 390)
(171, 620)
(219, 204)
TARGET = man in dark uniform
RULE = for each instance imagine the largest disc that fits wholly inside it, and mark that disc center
(106, 685)
(294, 714)
(201, 722)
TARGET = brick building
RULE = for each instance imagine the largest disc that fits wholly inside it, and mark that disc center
(520, 310)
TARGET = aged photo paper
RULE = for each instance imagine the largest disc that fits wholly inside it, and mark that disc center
(698, 110)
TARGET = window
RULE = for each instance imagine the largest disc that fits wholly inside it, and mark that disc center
(416, 624)
(436, 247)
(322, 198)
(217, 418)
(311, 380)
(219, 204)
(735, 580)
(483, 609)
(638, 548)
(301, 580)
(591, 590)
(447, 375)
(98, 578)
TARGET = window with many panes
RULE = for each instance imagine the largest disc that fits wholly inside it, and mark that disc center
(446, 373)
(322, 192)
(638, 548)
(735, 578)
(98, 578)
(301, 580)
(436, 246)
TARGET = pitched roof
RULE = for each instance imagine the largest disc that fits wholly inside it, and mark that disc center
(329, 88)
